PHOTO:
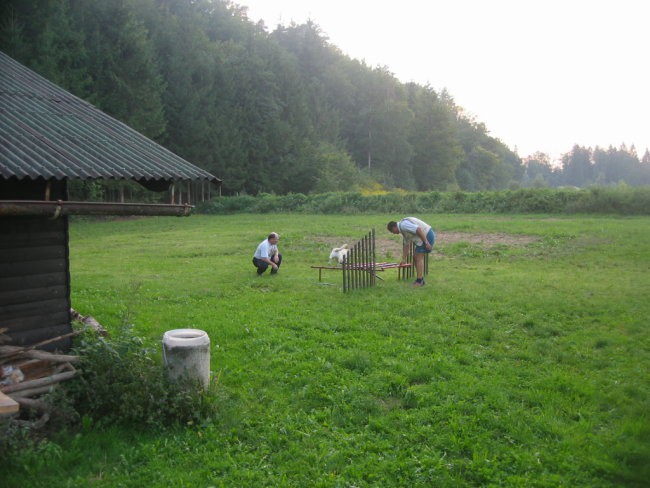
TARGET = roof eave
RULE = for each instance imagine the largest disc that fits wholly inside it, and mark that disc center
(55, 209)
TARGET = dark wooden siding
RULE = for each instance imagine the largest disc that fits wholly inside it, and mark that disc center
(34, 279)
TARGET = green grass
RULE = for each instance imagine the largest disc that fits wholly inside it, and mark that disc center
(516, 365)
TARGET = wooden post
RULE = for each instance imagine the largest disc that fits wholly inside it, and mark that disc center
(374, 258)
(366, 274)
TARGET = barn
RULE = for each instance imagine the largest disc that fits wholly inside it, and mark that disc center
(48, 138)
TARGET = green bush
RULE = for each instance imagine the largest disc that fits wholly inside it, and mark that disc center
(123, 382)
(620, 200)
(227, 205)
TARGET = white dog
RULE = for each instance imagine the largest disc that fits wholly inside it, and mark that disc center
(339, 253)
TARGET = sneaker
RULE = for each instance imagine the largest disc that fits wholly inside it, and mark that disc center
(418, 283)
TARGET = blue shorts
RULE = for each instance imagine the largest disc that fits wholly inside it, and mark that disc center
(431, 237)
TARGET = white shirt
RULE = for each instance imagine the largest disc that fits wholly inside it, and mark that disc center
(263, 250)
(408, 227)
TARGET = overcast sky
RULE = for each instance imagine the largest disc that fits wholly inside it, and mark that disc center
(542, 75)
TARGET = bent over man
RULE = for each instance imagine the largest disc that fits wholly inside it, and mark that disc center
(267, 254)
(421, 234)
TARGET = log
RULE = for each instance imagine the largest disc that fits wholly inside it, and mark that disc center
(90, 322)
(47, 381)
(32, 404)
(37, 424)
(55, 339)
(36, 368)
(20, 352)
(10, 351)
(32, 392)
(8, 405)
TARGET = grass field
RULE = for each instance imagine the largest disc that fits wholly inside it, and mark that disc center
(524, 361)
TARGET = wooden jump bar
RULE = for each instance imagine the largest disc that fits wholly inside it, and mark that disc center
(377, 267)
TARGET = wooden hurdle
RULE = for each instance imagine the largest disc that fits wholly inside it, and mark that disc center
(359, 270)
(360, 267)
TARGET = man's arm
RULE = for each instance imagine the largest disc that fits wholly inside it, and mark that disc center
(270, 262)
(423, 236)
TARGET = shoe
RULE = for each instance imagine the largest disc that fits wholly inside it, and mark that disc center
(418, 283)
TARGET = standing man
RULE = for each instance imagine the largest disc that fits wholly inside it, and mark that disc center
(421, 234)
(267, 254)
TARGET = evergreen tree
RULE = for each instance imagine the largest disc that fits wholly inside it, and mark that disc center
(577, 167)
(127, 84)
(62, 55)
(538, 171)
(434, 139)
(12, 37)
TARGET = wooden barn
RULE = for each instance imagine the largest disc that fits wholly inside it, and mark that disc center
(49, 137)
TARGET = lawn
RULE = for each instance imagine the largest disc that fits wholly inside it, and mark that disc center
(523, 361)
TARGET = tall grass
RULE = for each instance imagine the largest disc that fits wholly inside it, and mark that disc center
(516, 365)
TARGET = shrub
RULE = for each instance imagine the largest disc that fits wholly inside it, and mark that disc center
(123, 382)
(617, 200)
(225, 205)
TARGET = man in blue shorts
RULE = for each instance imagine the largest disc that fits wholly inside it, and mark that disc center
(421, 234)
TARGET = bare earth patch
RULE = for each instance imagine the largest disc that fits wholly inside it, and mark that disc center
(486, 239)
(386, 246)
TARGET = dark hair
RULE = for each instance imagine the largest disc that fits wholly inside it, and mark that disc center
(391, 225)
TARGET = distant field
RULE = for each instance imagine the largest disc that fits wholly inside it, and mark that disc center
(523, 362)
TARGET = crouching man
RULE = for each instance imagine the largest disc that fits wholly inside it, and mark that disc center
(267, 254)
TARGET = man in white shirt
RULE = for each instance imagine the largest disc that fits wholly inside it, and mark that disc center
(267, 254)
(421, 234)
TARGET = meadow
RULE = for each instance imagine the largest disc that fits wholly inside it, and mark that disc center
(523, 361)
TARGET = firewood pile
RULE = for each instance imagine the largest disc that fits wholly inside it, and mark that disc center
(27, 373)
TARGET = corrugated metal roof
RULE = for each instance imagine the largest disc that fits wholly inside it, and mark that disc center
(46, 132)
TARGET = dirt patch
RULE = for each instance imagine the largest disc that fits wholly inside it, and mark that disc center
(486, 239)
(386, 246)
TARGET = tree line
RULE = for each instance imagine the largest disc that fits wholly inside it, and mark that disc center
(585, 166)
(282, 111)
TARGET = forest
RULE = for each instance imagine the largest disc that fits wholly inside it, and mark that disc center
(282, 111)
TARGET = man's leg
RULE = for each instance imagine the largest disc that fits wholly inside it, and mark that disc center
(260, 265)
(419, 265)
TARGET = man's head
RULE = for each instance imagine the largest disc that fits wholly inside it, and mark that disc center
(392, 227)
(273, 237)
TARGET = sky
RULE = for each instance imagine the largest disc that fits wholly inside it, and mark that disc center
(541, 75)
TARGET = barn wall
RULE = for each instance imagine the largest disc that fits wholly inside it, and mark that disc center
(34, 280)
